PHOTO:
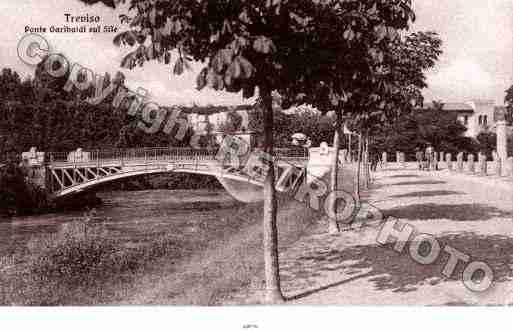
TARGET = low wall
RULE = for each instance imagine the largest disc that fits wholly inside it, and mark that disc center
(469, 164)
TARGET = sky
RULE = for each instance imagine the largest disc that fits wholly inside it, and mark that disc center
(477, 62)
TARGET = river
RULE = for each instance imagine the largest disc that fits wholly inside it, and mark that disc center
(136, 217)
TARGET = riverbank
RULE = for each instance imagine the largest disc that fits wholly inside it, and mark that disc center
(88, 262)
(18, 197)
(230, 270)
(148, 247)
(127, 236)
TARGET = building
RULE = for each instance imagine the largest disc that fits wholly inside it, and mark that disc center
(478, 116)
(210, 119)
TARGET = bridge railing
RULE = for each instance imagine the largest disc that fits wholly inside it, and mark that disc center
(132, 154)
(291, 153)
(155, 154)
(57, 156)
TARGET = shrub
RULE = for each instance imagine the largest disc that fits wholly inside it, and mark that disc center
(78, 265)
(17, 195)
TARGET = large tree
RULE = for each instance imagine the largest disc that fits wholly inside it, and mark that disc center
(442, 129)
(380, 80)
(272, 45)
(395, 89)
(379, 74)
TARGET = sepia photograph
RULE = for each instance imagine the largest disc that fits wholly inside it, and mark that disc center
(281, 156)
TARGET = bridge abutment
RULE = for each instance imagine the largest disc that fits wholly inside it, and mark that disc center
(34, 163)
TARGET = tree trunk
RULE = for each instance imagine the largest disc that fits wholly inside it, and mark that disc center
(332, 222)
(350, 147)
(358, 170)
(273, 293)
(366, 163)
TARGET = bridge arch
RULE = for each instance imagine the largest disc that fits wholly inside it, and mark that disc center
(240, 187)
(64, 174)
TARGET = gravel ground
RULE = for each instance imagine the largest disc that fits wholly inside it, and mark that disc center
(471, 215)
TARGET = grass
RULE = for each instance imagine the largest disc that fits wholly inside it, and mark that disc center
(79, 265)
(229, 270)
(220, 263)
(82, 264)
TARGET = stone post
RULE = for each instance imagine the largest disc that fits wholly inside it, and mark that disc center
(397, 157)
(483, 169)
(34, 163)
(498, 166)
(403, 159)
(502, 140)
(495, 155)
(442, 159)
(459, 162)
(497, 163)
(471, 165)
(448, 161)
(384, 159)
(33, 157)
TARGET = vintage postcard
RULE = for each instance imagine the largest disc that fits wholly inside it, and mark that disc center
(256, 153)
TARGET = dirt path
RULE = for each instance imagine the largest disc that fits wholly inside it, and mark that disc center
(351, 268)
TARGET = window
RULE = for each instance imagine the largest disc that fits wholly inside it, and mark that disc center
(485, 120)
(465, 120)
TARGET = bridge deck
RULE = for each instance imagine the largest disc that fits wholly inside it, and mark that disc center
(152, 156)
(72, 172)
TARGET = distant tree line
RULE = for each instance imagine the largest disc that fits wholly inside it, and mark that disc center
(419, 128)
(39, 112)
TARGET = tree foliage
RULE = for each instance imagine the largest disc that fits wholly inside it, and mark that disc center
(16, 195)
(509, 105)
(488, 143)
(439, 128)
(396, 88)
(313, 124)
(39, 112)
